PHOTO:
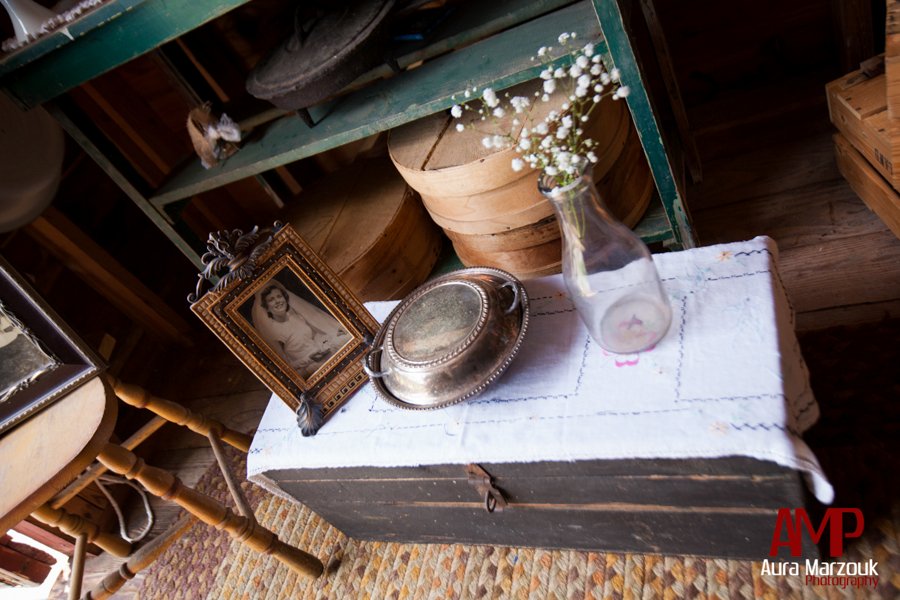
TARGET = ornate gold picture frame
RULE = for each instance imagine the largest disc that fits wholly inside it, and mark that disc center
(286, 315)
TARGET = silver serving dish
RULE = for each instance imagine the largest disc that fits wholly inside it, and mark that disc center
(449, 339)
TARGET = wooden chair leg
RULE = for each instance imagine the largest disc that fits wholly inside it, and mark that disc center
(139, 561)
(75, 526)
(165, 485)
(77, 566)
(176, 413)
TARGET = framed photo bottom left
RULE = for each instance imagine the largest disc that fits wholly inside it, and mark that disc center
(41, 358)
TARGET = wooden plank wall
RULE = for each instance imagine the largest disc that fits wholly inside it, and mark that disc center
(753, 77)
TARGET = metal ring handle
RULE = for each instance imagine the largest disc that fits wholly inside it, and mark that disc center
(514, 286)
(490, 502)
(367, 362)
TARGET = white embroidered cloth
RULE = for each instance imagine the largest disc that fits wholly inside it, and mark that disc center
(728, 379)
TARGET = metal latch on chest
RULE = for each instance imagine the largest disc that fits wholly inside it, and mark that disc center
(483, 483)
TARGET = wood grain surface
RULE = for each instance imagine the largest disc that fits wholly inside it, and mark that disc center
(868, 184)
(669, 506)
(45, 452)
(370, 228)
(440, 162)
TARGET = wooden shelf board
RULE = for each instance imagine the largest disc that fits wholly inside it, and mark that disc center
(467, 24)
(105, 39)
(654, 225)
(500, 61)
(101, 16)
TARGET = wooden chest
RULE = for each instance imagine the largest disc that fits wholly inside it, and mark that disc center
(590, 450)
(710, 507)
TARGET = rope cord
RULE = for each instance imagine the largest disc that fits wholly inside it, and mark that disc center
(123, 532)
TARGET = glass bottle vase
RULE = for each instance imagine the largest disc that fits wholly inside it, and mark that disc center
(608, 270)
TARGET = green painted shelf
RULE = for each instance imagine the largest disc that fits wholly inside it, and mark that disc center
(105, 38)
(501, 61)
(100, 17)
(654, 226)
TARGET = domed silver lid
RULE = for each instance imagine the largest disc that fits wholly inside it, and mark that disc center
(449, 339)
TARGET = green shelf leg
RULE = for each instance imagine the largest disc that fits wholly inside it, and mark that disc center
(623, 58)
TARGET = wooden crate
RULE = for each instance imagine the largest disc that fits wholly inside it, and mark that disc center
(874, 190)
(892, 57)
(857, 105)
(22, 565)
(861, 105)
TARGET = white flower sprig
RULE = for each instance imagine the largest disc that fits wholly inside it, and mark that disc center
(557, 144)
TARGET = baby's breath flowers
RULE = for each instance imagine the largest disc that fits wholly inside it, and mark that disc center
(556, 144)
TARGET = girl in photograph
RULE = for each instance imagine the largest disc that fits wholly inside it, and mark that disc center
(304, 335)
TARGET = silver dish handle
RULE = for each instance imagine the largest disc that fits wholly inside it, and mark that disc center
(514, 286)
(367, 364)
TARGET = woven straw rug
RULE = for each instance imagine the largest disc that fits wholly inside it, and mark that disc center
(855, 379)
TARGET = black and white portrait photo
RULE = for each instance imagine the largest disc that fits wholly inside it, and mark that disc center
(288, 317)
(294, 323)
(21, 359)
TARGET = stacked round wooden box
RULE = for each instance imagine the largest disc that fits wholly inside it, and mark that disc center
(496, 216)
(370, 228)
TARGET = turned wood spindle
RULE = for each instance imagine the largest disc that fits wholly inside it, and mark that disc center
(172, 411)
(168, 486)
(74, 525)
(140, 560)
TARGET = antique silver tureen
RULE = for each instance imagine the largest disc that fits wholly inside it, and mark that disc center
(449, 339)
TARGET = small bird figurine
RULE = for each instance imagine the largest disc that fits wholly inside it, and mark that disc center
(214, 139)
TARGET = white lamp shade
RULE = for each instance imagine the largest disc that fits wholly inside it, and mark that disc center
(32, 145)
(27, 17)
